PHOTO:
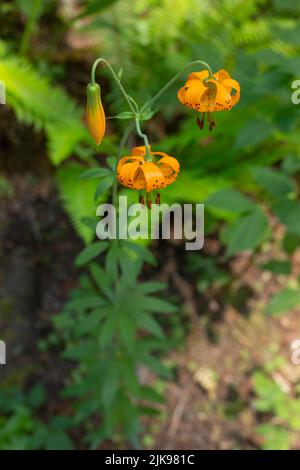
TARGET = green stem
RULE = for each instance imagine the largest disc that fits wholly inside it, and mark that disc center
(153, 100)
(120, 151)
(115, 77)
(130, 101)
(143, 136)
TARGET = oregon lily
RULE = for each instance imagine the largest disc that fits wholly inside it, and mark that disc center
(145, 170)
(206, 93)
(136, 171)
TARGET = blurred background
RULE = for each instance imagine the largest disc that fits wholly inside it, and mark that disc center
(227, 375)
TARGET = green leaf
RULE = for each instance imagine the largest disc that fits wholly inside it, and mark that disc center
(156, 365)
(290, 164)
(154, 304)
(91, 252)
(94, 6)
(253, 133)
(230, 200)
(290, 243)
(59, 441)
(94, 173)
(88, 408)
(85, 302)
(283, 301)
(81, 351)
(246, 233)
(148, 323)
(112, 162)
(127, 330)
(90, 322)
(287, 5)
(288, 213)
(100, 279)
(275, 437)
(107, 329)
(110, 383)
(277, 266)
(265, 387)
(129, 374)
(138, 252)
(32, 9)
(146, 115)
(37, 396)
(125, 115)
(149, 411)
(149, 394)
(111, 262)
(274, 182)
(149, 287)
(105, 183)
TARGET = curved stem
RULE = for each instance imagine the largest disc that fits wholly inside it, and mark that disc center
(130, 101)
(170, 82)
(143, 136)
(115, 77)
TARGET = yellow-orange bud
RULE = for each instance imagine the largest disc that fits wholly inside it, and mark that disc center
(95, 117)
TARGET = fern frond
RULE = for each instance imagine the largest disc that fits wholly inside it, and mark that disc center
(77, 197)
(37, 102)
(252, 33)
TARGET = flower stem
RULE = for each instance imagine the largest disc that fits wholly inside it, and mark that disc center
(130, 101)
(115, 77)
(153, 100)
(120, 151)
(143, 136)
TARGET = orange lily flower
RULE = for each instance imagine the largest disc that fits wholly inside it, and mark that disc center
(136, 172)
(206, 95)
(95, 116)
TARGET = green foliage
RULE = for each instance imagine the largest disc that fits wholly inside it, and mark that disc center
(279, 432)
(283, 301)
(246, 172)
(208, 272)
(278, 267)
(246, 233)
(233, 173)
(21, 429)
(111, 329)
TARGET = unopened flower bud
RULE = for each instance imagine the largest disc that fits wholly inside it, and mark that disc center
(95, 117)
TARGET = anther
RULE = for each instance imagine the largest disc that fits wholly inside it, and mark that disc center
(200, 122)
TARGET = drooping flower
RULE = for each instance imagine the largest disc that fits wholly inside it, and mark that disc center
(95, 116)
(209, 94)
(136, 172)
